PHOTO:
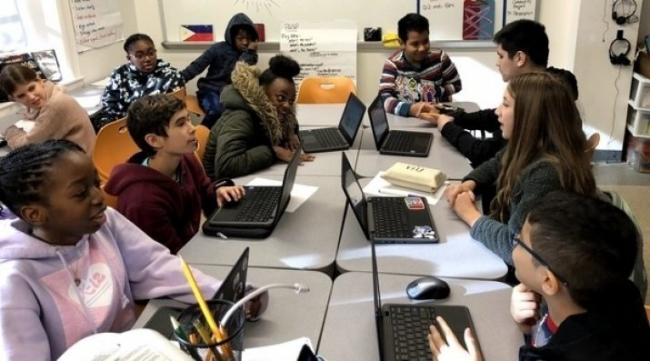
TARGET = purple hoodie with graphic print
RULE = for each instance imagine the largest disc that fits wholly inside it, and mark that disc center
(52, 296)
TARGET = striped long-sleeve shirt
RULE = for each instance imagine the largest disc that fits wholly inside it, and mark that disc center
(403, 83)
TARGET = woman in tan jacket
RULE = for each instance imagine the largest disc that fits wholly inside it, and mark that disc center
(56, 115)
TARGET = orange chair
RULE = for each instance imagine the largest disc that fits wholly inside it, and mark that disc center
(112, 147)
(191, 102)
(202, 134)
(320, 90)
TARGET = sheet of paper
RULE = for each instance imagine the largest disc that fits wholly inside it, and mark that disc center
(286, 351)
(26, 125)
(299, 194)
(379, 187)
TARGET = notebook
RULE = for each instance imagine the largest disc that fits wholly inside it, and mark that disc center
(329, 139)
(396, 142)
(402, 328)
(388, 219)
(258, 212)
(232, 289)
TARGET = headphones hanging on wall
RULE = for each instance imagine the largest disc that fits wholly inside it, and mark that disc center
(619, 49)
(625, 15)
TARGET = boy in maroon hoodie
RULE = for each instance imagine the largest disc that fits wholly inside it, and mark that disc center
(163, 188)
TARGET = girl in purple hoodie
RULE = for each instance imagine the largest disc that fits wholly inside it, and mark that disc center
(70, 267)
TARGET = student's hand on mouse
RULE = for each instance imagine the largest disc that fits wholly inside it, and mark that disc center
(256, 306)
(454, 190)
(524, 307)
(465, 207)
(452, 350)
(229, 194)
(443, 119)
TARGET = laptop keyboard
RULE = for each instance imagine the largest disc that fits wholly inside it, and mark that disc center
(330, 137)
(400, 141)
(260, 204)
(391, 218)
(410, 326)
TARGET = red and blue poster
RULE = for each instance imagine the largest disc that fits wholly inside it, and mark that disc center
(196, 33)
(478, 19)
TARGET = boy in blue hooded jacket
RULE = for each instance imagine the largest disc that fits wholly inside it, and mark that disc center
(240, 44)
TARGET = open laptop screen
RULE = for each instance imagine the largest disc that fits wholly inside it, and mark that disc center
(351, 118)
(378, 121)
(354, 193)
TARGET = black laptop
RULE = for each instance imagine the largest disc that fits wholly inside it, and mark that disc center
(402, 328)
(396, 142)
(258, 212)
(232, 289)
(388, 219)
(329, 139)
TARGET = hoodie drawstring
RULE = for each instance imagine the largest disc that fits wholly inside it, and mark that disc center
(76, 289)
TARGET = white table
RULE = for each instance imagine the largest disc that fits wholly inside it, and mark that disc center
(305, 239)
(350, 333)
(288, 316)
(457, 254)
(442, 155)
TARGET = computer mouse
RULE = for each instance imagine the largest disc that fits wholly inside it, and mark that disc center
(426, 288)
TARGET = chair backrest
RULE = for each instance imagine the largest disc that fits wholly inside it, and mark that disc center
(180, 93)
(202, 134)
(113, 146)
(316, 89)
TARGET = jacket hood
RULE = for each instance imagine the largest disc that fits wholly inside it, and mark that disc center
(16, 242)
(242, 20)
(133, 172)
(245, 79)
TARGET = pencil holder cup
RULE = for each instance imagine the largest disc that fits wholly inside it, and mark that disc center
(194, 330)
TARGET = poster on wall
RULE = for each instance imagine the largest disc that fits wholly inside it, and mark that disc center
(97, 23)
(520, 9)
(321, 49)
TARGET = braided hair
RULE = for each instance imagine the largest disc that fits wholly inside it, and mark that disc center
(25, 171)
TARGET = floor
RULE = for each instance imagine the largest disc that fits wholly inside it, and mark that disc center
(634, 187)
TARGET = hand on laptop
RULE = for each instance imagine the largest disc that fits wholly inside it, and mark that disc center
(285, 154)
(229, 194)
(451, 350)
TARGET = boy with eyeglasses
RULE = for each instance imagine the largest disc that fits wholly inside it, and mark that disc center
(144, 74)
(575, 301)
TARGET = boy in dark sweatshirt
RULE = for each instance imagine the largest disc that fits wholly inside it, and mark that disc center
(575, 301)
(240, 44)
(163, 188)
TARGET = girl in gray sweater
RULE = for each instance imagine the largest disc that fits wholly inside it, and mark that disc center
(545, 152)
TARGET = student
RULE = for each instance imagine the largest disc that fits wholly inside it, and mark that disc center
(69, 266)
(259, 123)
(163, 188)
(240, 44)
(545, 152)
(144, 74)
(574, 301)
(56, 115)
(522, 47)
(415, 77)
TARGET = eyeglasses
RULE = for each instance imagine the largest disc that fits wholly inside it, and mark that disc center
(516, 241)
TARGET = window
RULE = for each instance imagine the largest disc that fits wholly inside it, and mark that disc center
(12, 33)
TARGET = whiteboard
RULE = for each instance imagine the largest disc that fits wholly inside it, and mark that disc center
(273, 13)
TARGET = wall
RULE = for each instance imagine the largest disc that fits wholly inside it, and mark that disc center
(575, 30)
